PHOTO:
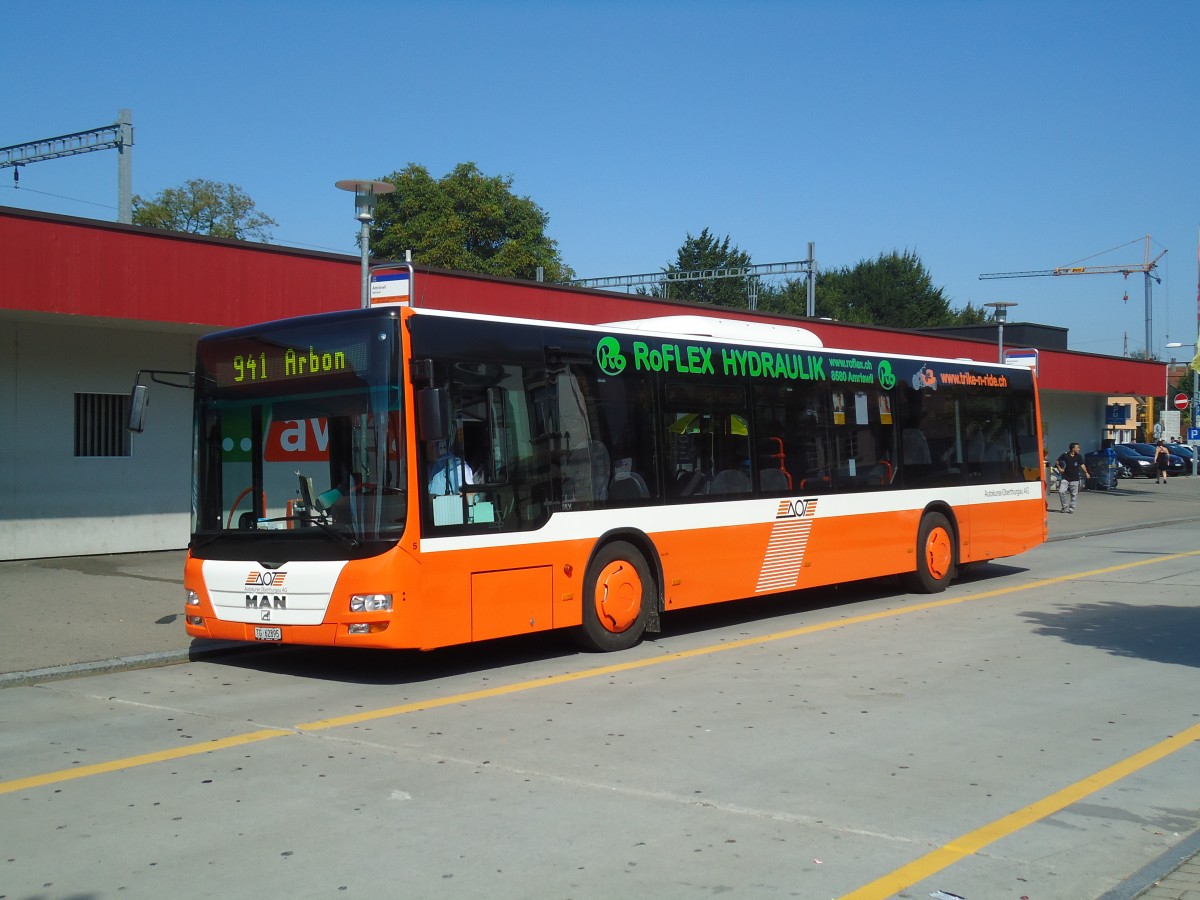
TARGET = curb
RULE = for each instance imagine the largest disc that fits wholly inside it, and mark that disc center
(1158, 870)
(1128, 526)
(122, 663)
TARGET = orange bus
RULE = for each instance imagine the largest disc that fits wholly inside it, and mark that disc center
(396, 477)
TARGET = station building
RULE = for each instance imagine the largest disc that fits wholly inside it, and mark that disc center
(85, 305)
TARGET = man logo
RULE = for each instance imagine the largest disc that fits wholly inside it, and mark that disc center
(266, 601)
(265, 579)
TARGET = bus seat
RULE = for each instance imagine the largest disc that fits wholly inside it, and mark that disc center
(730, 481)
(772, 456)
(773, 480)
(690, 483)
(628, 486)
(916, 448)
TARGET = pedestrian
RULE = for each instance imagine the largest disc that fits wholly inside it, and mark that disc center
(1162, 457)
(1070, 468)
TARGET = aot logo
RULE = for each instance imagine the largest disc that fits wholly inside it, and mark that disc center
(791, 509)
(265, 579)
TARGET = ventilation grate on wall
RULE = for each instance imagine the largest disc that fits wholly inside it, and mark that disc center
(100, 421)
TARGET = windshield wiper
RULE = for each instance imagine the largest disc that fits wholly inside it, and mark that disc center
(196, 543)
(349, 541)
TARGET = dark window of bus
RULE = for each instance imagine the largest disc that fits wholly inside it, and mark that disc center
(624, 412)
(931, 451)
(487, 473)
(792, 439)
(988, 437)
(864, 437)
(706, 429)
(583, 461)
(1029, 454)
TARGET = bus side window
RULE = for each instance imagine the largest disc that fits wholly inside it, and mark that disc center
(487, 436)
(793, 441)
(582, 462)
(932, 452)
(624, 411)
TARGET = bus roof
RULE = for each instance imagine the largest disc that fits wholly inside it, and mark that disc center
(724, 329)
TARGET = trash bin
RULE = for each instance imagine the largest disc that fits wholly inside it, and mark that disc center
(1103, 468)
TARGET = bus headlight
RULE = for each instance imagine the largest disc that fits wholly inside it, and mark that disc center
(193, 599)
(370, 603)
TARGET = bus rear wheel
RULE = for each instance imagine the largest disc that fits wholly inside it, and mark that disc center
(935, 556)
(618, 591)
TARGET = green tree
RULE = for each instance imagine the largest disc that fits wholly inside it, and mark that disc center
(971, 315)
(466, 221)
(1146, 354)
(705, 251)
(789, 298)
(206, 207)
(894, 290)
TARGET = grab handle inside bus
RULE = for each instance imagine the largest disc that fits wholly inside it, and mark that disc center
(432, 420)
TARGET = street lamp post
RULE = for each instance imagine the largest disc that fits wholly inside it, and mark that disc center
(1195, 405)
(1001, 308)
(365, 193)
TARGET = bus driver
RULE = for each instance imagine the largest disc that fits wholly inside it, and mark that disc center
(450, 471)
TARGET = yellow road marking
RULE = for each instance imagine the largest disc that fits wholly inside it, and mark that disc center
(145, 759)
(974, 841)
(130, 762)
(599, 671)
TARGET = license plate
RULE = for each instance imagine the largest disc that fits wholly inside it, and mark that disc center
(268, 634)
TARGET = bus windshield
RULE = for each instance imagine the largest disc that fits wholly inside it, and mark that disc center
(299, 434)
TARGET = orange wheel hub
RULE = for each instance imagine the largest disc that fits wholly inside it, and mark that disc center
(938, 553)
(618, 597)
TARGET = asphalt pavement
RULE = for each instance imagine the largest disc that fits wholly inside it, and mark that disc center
(75, 616)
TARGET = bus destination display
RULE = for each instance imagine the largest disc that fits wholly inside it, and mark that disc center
(264, 365)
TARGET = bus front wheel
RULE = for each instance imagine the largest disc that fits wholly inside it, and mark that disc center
(618, 592)
(935, 556)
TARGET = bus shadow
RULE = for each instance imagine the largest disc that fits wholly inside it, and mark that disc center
(397, 667)
(1159, 633)
(849, 594)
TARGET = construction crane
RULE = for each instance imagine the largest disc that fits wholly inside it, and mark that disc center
(1146, 267)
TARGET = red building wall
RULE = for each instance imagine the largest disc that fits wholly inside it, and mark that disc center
(80, 267)
(83, 268)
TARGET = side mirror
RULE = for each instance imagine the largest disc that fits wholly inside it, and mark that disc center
(139, 399)
(432, 421)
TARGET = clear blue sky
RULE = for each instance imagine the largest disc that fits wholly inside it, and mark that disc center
(985, 136)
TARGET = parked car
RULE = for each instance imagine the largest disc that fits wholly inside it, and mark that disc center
(1175, 464)
(1185, 453)
(1138, 464)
